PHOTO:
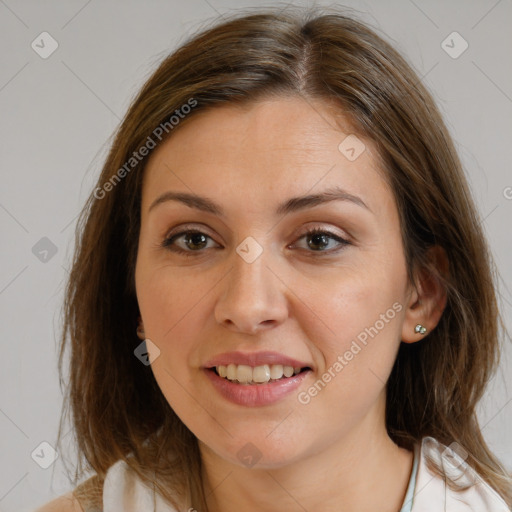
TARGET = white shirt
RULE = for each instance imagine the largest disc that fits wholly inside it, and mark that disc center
(123, 491)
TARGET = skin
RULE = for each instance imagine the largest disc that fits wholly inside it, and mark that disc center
(333, 453)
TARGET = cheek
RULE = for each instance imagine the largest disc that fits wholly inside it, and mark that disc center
(170, 307)
(355, 324)
(169, 299)
(171, 322)
(360, 305)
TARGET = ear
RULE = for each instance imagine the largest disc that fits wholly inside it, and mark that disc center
(427, 303)
(140, 329)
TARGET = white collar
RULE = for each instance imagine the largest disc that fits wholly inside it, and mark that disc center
(432, 492)
(124, 492)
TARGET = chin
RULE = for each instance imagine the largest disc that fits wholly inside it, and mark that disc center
(260, 452)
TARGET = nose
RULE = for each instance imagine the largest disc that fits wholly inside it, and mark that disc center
(253, 297)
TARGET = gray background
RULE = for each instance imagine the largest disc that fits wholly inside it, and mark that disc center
(58, 114)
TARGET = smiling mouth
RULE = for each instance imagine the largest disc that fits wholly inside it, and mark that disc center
(249, 375)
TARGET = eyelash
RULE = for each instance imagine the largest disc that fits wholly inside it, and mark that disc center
(168, 242)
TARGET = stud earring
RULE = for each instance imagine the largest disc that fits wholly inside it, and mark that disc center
(419, 328)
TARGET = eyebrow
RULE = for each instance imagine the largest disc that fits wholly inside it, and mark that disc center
(291, 205)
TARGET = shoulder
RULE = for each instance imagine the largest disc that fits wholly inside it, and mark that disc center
(124, 490)
(65, 503)
(86, 497)
(459, 489)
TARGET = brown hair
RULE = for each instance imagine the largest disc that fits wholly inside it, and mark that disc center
(118, 408)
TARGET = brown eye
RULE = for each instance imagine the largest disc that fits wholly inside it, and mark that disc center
(319, 240)
(192, 241)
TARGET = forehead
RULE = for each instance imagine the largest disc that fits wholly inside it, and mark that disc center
(264, 151)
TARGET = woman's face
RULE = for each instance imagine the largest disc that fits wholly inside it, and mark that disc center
(254, 291)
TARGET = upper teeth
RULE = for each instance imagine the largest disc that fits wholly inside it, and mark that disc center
(259, 374)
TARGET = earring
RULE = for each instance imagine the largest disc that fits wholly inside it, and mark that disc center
(419, 328)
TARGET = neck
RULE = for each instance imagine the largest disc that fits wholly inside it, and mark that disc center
(364, 470)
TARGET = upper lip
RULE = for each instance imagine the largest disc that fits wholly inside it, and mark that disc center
(255, 359)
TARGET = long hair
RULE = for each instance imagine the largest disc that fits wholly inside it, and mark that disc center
(119, 411)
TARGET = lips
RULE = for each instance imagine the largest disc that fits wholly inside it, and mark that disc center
(256, 395)
(261, 392)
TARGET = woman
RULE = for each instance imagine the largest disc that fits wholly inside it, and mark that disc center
(282, 298)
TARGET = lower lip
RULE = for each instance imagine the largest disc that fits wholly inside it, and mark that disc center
(253, 395)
